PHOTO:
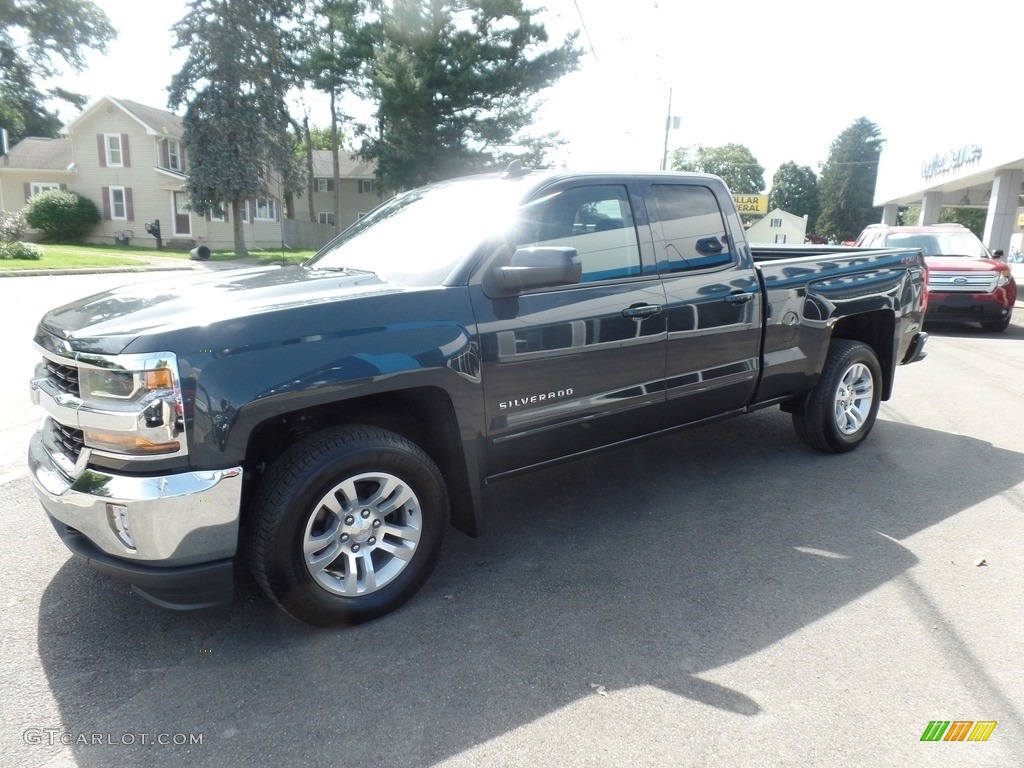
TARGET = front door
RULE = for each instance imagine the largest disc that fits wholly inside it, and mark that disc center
(182, 217)
(569, 369)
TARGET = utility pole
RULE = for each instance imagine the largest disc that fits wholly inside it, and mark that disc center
(670, 122)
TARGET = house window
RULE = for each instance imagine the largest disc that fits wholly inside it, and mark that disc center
(41, 186)
(112, 142)
(173, 156)
(325, 185)
(365, 186)
(266, 210)
(780, 239)
(217, 212)
(118, 204)
(776, 223)
(324, 217)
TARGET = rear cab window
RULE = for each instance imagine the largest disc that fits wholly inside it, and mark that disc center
(688, 228)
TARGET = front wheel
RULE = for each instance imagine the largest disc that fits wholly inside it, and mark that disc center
(347, 525)
(841, 409)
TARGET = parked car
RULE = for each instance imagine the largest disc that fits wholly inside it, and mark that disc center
(966, 283)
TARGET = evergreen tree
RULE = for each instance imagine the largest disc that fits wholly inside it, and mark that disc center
(453, 81)
(35, 36)
(234, 80)
(341, 40)
(735, 163)
(847, 184)
(795, 190)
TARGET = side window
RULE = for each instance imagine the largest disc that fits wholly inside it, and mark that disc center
(692, 228)
(597, 221)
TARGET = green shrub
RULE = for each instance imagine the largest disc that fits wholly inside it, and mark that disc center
(20, 251)
(12, 226)
(62, 215)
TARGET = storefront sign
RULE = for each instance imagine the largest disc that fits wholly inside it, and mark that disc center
(952, 160)
(751, 203)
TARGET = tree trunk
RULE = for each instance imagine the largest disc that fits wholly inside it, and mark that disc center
(309, 170)
(236, 216)
(336, 162)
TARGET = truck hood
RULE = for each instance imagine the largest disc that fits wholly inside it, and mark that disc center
(962, 264)
(107, 322)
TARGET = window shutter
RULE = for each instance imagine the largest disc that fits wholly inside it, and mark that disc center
(165, 154)
(28, 191)
(63, 186)
(181, 157)
(102, 146)
(125, 160)
(129, 212)
(105, 191)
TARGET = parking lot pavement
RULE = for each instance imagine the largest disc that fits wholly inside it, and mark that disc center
(723, 597)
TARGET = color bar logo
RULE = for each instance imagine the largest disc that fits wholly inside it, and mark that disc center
(958, 730)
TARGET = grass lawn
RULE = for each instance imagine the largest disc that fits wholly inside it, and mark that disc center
(92, 256)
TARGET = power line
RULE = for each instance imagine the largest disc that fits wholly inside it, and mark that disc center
(585, 32)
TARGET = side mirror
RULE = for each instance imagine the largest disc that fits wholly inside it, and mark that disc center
(998, 254)
(539, 267)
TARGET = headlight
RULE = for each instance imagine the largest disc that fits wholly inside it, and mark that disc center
(1005, 276)
(122, 385)
(135, 411)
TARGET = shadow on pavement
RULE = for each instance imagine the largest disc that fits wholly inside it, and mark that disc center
(642, 567)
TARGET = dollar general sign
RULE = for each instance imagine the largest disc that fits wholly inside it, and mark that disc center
(751, 203)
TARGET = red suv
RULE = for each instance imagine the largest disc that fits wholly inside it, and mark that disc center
(965, 282)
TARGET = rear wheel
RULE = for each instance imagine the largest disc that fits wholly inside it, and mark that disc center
(347, 525)
(840, 411)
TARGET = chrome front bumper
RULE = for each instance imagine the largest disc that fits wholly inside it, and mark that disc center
(140, 529)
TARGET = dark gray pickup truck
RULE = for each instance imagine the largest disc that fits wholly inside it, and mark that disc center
(324, 424)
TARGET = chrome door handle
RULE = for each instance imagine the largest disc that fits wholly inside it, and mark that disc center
(642, 310)
(739, 298)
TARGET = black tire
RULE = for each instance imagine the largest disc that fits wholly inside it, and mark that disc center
(997, 326)
(391, 515)
(841, 409)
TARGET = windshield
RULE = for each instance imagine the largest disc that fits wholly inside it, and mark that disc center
(420, 236)
(941, 243)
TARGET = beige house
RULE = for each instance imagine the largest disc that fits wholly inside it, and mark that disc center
(778, 227)
(33, 166)
(129, 160)
(358, 191)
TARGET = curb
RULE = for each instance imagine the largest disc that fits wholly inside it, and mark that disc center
(186, 266)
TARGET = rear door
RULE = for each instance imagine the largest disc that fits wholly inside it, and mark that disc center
(713, 300)
(573, 368)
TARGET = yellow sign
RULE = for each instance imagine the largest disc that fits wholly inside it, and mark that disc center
(1020, 220)
(751, 203)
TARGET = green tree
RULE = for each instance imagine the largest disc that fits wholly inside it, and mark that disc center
(234, 80)
(972, 218)
(453, 82)
(38, 40)
(847, 184)
(733, 162)
(341, 40)
(795, 190)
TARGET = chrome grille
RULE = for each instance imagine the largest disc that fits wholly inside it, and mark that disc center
(63, 377)
(69, 440)
(962, 282)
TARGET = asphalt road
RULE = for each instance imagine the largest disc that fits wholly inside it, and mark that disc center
(720, 597)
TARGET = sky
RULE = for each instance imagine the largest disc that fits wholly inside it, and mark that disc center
(784, 78)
